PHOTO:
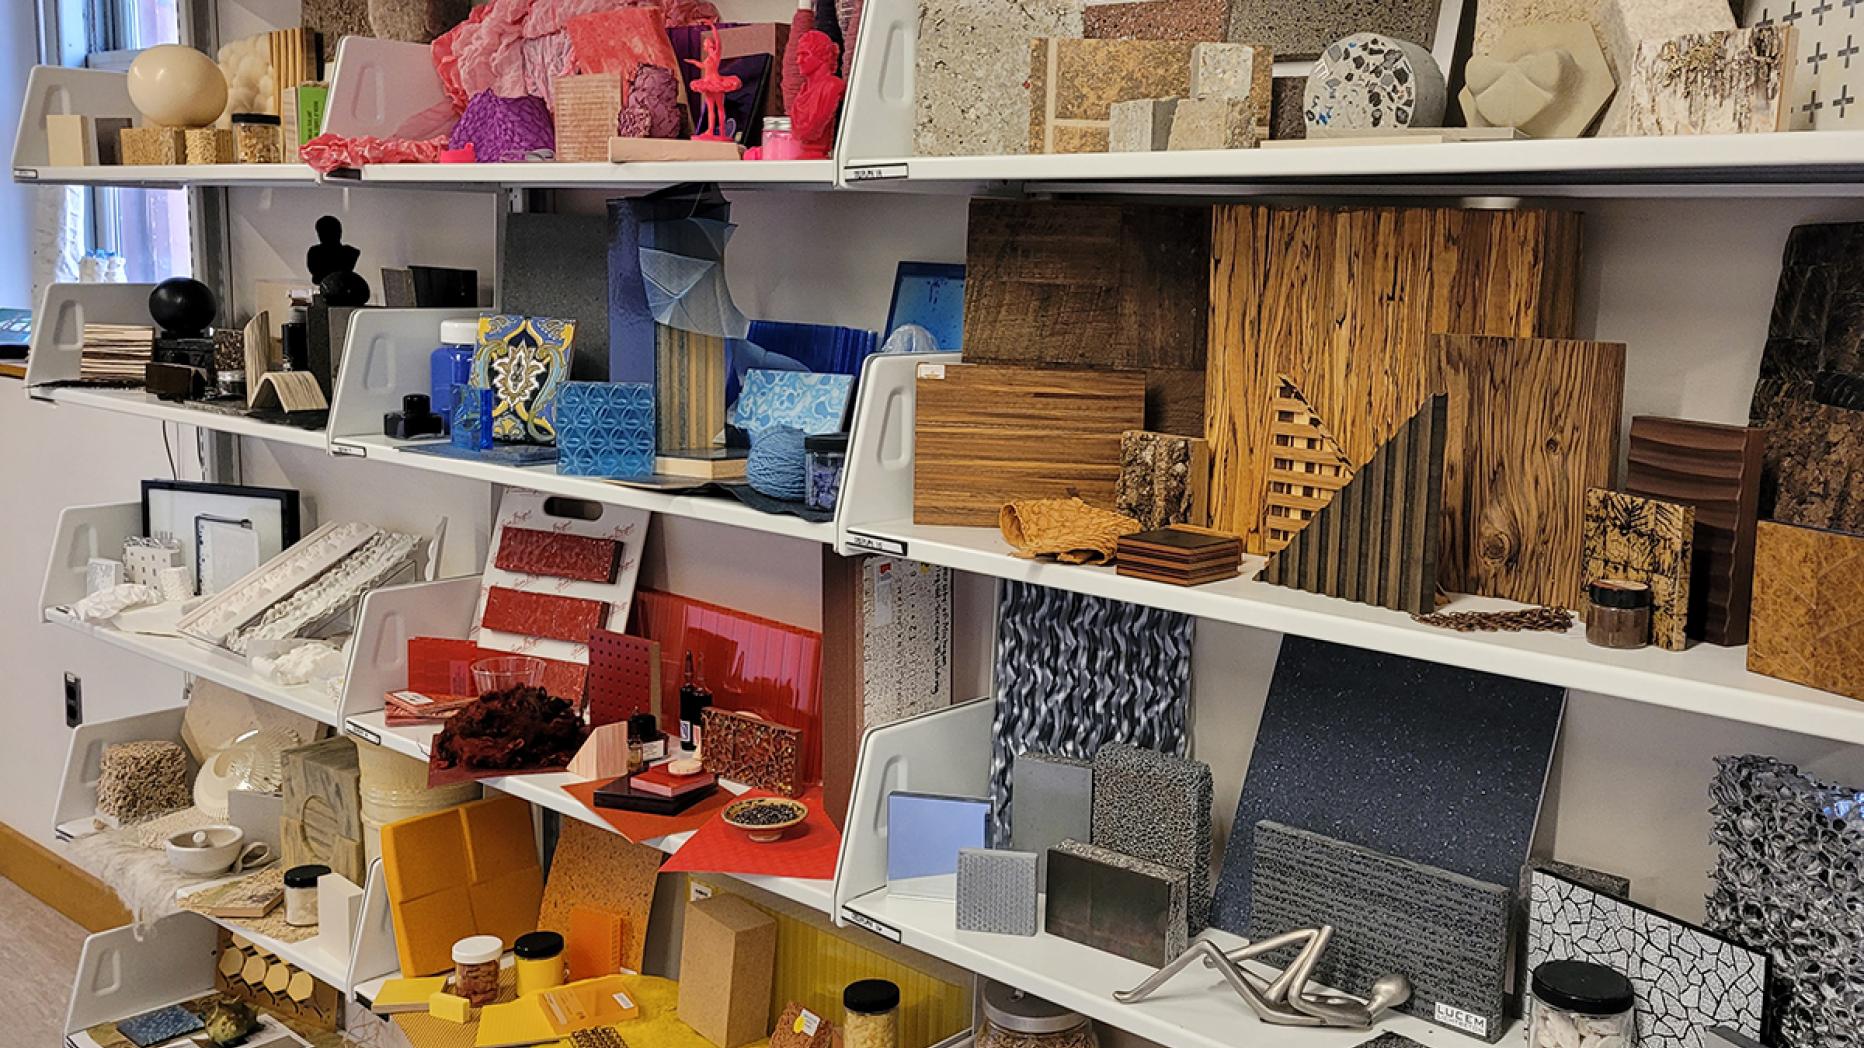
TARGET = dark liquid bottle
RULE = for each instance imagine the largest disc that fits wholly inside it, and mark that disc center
(694, 701)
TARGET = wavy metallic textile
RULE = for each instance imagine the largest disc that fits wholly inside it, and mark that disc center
(1074, 673)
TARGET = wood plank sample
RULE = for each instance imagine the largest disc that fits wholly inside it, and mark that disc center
(1343, 302)
(1306, 466)
(1533, 424)
(1092, 284)
(1646, 540)
(1380, 546)
(1164, 479)
(1808, 622)
(986, 434)
(1733, 81)
(1716, 470)
(689, 389)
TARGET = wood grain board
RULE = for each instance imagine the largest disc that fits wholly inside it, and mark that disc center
(1808, 622)
(1377, 540)
(1092, 284)
(689, 389)
(986, 434)
(1343, 301)
(1715, 469)
(1306, 465)
(1533, 423)
(1646, 540)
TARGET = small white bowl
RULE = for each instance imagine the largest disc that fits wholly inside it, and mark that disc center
(214, 850)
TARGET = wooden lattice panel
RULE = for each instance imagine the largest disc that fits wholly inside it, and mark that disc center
(1306, 466)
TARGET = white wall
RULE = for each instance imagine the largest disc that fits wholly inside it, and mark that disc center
(19, 51)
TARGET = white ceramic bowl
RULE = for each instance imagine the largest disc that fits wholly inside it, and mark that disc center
(211, 850)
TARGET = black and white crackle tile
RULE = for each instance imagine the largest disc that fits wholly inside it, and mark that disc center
(1687, 980)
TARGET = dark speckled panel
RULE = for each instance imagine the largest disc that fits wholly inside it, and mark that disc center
(1431, 763)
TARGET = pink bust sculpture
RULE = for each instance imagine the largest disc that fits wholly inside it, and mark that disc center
(812, 115)
(712, 88)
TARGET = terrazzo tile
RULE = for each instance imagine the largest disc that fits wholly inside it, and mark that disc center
(970, 60)
(1157, 807)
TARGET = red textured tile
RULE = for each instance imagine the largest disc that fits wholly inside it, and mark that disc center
(529, 551)
(542, 614)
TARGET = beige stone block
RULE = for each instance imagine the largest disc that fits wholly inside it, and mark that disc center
(1142, 125)
(1214, 123)
(1624, 24)
(969, 63)
(70, 141)
(1235, 71)
(1550, 81)
(1074, 83)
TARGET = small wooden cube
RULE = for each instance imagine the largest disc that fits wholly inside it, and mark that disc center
(151, 145)
(727, 963)
(207, 145)
(588, 109)
(1142, 125)
(1215, 122)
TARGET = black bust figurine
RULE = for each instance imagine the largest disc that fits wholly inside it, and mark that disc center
(330, 254)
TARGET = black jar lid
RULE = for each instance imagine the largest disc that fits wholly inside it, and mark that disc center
(1583, 987)
(643, 727)
(305, 876)
(826, 442)
(1619, 593)
(537, 946)
(870, 997)
(270, 119)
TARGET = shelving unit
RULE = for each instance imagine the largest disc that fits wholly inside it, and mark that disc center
(143, 405)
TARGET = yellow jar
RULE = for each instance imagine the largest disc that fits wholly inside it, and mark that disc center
(539, 961)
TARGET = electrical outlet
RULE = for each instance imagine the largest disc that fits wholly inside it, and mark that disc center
(74, 700)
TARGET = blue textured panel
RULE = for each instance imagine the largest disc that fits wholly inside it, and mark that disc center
(801, 400)
(606, 429)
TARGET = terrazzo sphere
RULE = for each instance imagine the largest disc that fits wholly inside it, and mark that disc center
(176, 86)
(775, 467)
(1366, 82)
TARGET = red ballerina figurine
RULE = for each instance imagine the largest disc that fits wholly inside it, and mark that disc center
(812, 115)
(712, 88)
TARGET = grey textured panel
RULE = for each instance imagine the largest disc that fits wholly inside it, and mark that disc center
(1125, 906)
(1389, 1040)
(1432, 763)
(1447, 933)
(1304, 28)
(1074, 673)
(1789, 879)
(997, 891)
(557, 266)
(1154, 806)
(1687, 980)
(1054, 803)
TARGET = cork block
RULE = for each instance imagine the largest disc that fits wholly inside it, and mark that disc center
(969, 63)
(1142, 125)
(588, 108)
(728, 960)
(151, 145)
(1214, 123)
(1074, 83)
(207, 145)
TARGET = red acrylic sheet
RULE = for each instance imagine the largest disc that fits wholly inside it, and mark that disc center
(441, 668)
(622, 673)
(750, 664)
(542, 614)
(531, 551)
(807, 851)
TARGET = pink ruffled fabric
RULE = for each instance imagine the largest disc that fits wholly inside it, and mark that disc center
(326, 153)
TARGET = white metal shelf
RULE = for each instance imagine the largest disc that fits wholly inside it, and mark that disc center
(144, 405)
(171, 176)
(774, 174)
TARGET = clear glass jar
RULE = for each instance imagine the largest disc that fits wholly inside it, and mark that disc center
(871, 1017)
(475, 968)
(301, 894)
(826, 457)
(1578, 1004)
(1014, 1019)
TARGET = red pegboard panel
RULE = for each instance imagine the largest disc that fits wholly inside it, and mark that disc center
(530, 551)
(542, 614)
(623, 674)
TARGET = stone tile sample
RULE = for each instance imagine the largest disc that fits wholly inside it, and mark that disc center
(1687, 980)
(1547, 81)
(1154, 806)
(1288, 96)
(1732, 82)
(1295, 29)
(1624, 24)
(997, 891)
(1352, 745)
(1644, 540)
(970, 61)
(1142, 125)
(1193, 20)
(1808, 621)
(1366, 82)
(1052, 799)
(1235, 71)
(1445, 932)
(1214, 123)
(1073, 83)
(1125, 906)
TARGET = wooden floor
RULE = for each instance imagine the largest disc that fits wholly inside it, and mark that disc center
(39, 952)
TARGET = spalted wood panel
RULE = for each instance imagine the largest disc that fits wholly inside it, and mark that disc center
(1343, 302)
(1808, 622)
(1638, 539)
(1716, 470)
(985, 434)
(1105, 285)
(1533, 423)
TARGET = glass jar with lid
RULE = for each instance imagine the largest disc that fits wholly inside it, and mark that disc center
(1014, 1019)
(1578, 1004)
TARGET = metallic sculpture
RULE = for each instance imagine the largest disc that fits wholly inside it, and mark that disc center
(1286, 1001)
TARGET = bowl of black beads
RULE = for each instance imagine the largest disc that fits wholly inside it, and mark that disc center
(765, 819)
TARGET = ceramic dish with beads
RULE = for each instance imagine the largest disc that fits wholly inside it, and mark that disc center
(765, 819)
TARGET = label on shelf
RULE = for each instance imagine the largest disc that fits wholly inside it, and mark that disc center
(1458, 1019)
(699, 891)
(861, 920)
(875, 172)
(876, 544)
(25, 174)
(349, 449)
(352, 728)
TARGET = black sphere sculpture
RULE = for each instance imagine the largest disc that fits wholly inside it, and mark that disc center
(344, 289)
(183, 307)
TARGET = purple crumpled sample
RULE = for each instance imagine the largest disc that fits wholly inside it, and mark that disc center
(653, 109)
(504, 129)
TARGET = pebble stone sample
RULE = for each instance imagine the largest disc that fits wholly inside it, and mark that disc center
(1303, 28)
(1191, 20)
(1367, 82)
(1052, 698)
(1155, 806)
(997, 891)
(1687, 980)
(1447, 933)
(1789, 879)
(970, 62)
(1431, 763)
(1054, 803)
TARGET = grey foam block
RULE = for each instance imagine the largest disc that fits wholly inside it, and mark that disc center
(1053, 801)
(1154, 806)
(1128, 907)
(1446, 932)
(1390, 1040)
(997, 891)
(1432, 763)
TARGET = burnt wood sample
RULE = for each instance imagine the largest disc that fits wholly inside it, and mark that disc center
(1306, 466)
(1646, 540)
(1716, 469)
(986, 434)
(1808, 622)
(1091, 284)
(1378, 541)
(1343, 301)
(1533, 423)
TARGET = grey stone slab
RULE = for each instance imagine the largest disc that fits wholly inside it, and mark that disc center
(1296, 29)
(1156, 807)
(997, 891)
(557, 266)
(1125, 906)
(1054, 802)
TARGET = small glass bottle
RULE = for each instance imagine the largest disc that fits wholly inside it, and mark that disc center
(1617, 613)
(778, 142)
(1578, 1004)
(539, 961)
(694, 701)
(826, 456)
(301, 894)
(872, 1019)
(450, 365)
(475, 968)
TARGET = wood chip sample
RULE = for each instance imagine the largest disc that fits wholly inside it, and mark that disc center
(986, 434)
(1808, 622)
(1738, 81)
(1646, 540)
(1343, 302)
(1533, 424)
(1716, 470)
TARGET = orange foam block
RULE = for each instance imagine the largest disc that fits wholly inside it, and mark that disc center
(470, 870)
(594, 942)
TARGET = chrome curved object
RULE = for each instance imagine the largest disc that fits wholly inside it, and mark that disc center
(1286, 1001)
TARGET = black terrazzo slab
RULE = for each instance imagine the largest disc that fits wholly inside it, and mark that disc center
(1431, 763)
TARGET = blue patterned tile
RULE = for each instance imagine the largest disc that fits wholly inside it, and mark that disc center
(810, 401)
(606, 429)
